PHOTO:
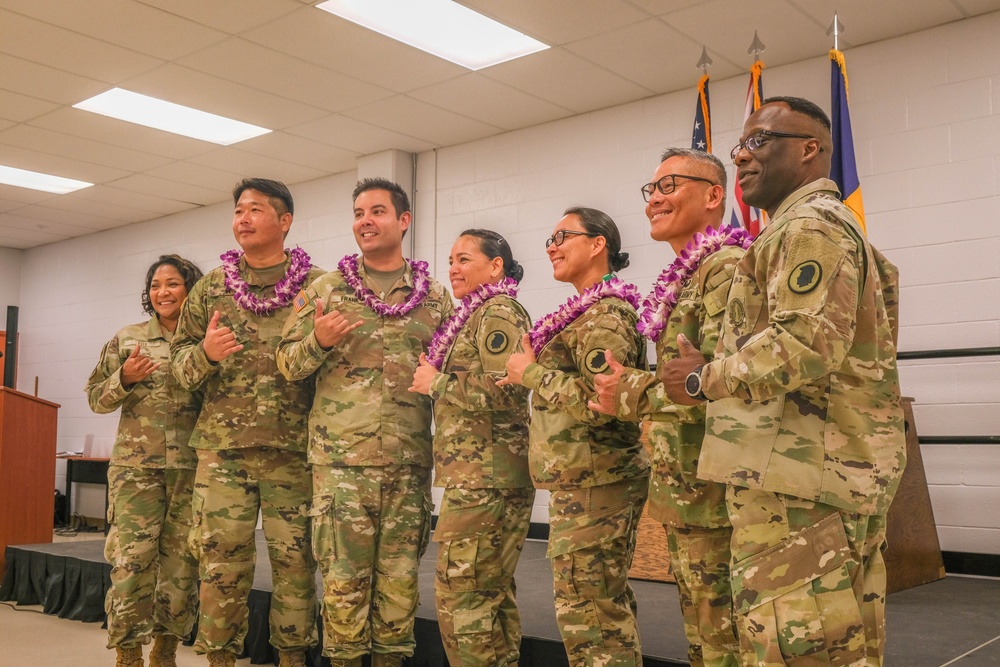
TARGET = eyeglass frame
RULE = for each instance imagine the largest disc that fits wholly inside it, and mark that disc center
(647, 189)
(562, 234)
(761, 137)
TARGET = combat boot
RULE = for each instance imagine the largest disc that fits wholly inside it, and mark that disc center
(291, 659)
(221, 659)
(164, 652)
(128, 656)
(387, 659)
(349, 662)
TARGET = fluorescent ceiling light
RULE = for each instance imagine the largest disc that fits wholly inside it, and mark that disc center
(23, 178)
(440, 27)
(151, 112)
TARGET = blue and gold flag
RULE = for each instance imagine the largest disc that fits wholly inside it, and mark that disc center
(744, 215)
(701, 138)
(844, 168)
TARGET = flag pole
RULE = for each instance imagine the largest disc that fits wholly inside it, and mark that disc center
(705, 62)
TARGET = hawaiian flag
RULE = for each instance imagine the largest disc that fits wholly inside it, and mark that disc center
(844, 169)
(747, 217)
(702, 137)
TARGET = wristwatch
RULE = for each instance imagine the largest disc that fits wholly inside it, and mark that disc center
(692, 385)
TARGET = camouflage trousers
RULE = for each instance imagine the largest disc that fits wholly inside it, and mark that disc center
(591, 544)
(231, 487)
(154, 585)
(370, 527)
(808, 581)
(699, 560)
(481, 533)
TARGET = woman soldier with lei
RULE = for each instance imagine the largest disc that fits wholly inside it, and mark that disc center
(593, 465)
(480, 454)
(154, 578)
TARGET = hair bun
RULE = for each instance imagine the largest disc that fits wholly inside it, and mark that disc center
(515, 270)
(620, 261)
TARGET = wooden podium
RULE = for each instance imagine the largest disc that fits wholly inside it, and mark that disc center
(27, 469)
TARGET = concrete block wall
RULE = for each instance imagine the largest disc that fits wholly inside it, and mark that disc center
(926, 120)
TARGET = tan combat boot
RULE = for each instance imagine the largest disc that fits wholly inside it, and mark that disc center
(387, 659)
(350, 662)
(164, 652)
(291, 659)
(128, 656)
(221, 659)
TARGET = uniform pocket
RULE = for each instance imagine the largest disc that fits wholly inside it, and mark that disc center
(324, 536)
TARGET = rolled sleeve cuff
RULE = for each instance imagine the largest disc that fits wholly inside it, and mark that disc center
(438, 386)
(532, 378)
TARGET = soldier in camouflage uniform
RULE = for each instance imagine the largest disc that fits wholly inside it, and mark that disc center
(154, 585)
(480, 454)
(804, 421)
(251, 435)
(359, 332)
(686, 202)
(593, 465)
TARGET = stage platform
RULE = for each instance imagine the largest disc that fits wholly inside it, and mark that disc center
(953, 622)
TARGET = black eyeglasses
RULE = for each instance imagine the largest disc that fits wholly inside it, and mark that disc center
(668, 184)
(758, 139)
(559, 237)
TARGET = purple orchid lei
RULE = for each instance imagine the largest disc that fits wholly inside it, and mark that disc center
(552, 324)
(659, 304)
(446, 334)
(284, 290)
(421, 286)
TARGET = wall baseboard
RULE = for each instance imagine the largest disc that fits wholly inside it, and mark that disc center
(983, 565)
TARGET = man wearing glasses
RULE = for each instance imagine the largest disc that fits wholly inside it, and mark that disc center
(803, 417)
(685, 203)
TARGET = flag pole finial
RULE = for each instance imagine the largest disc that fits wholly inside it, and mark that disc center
(756, 47)
(835, 29)
(705, 62)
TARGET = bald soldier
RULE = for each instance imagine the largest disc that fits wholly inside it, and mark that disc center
(803, 419)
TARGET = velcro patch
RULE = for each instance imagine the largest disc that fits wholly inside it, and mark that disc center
(596, 362)
(300, 301)
(497, 341)
(805, 277)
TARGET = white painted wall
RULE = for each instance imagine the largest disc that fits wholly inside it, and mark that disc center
(926, 112)
(10, 280)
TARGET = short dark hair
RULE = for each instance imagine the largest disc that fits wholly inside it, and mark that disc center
(804, 107)
(712, 162)
(493, 245)
(189, 272)
(276, 191)
(400, 201)
(600, 223)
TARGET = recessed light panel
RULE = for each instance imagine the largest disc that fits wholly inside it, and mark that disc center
(22, 178)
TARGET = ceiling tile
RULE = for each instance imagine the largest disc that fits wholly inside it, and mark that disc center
(476, 96)
(62, 49)
(217, 180)
(335, 43)
(423, 121)
(232, 16)
(161, 187)
(113, 214)
(46, 83)
(21, 196)
(158, 206)
(249, 165)
(566, 80)
(866, 22)
(357, 136)
(20, 108)
(558, 22)
(298, 150)
(268, 70)
(57, 165)
(183, 85)
(133, 25)
(70, 146)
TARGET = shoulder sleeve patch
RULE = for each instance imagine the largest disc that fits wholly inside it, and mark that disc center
(595, 361)
(805, 277)
(300, 301)
(497, 341)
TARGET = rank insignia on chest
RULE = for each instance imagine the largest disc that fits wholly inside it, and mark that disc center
(805, 277)
(737, 312)
(595, 361)
(300, 301)
(497, 341)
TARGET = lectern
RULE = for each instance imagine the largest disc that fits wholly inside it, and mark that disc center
(27, 469)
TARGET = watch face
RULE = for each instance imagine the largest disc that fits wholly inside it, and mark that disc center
(693, 384)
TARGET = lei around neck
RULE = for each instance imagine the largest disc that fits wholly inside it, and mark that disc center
(284, 290)
(446, 334)
(421, 287)
(660, 302)
(552, 324)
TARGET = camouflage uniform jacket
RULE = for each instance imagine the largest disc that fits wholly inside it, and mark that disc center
(804, 388)
(363, 414)
(247, 401)
(676, 496)
(481, 430)
(572, 446)
(157, 413)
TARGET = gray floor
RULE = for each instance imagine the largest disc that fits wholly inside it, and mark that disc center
(954, 622)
